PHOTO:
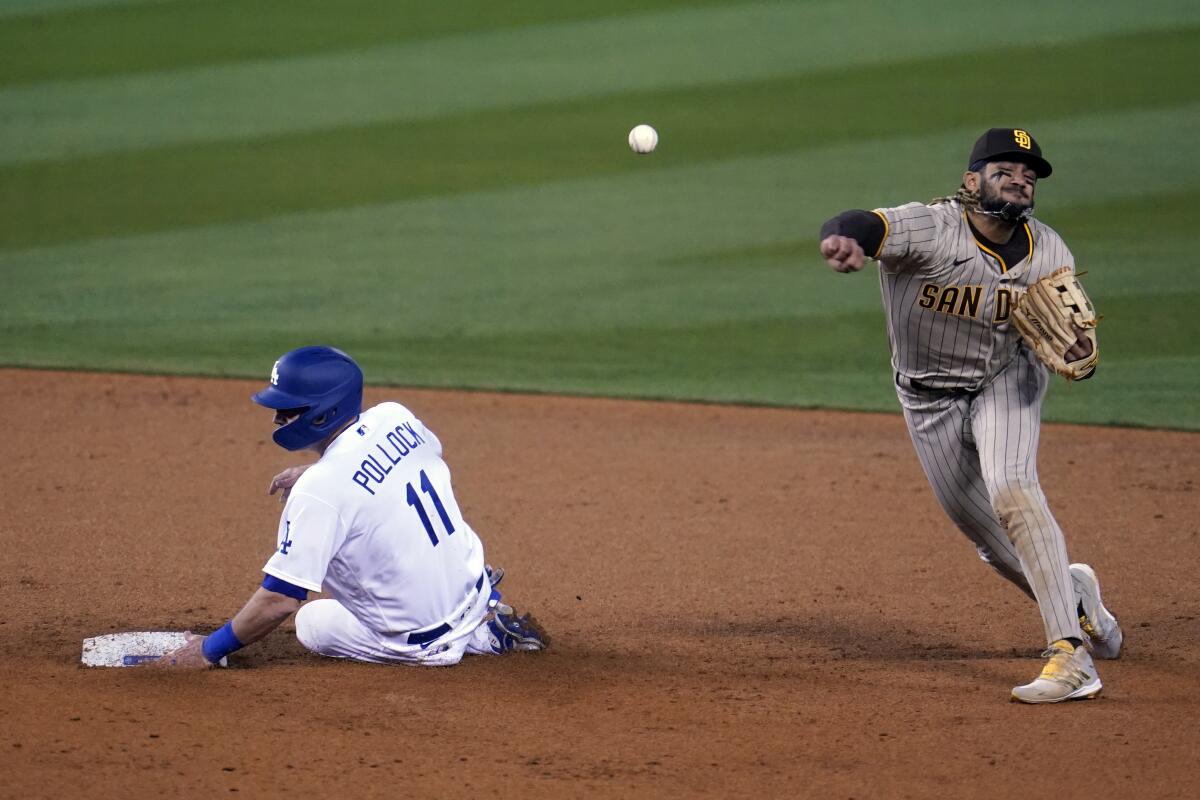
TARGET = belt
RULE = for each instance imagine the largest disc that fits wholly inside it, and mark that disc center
(428, 635)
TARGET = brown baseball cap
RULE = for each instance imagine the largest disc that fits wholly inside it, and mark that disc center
(1009, 144)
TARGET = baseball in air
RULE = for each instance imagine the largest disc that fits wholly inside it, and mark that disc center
(643, 139)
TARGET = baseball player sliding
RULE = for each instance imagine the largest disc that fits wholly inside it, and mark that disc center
(373, 524)
(977, 296)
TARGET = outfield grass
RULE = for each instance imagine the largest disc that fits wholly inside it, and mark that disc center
(444, 189)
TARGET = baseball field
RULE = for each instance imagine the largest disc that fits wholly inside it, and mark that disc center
(669, 420)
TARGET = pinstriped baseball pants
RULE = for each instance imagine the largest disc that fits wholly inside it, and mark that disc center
(979, 452)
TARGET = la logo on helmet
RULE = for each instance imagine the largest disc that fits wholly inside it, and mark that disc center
(275, 374)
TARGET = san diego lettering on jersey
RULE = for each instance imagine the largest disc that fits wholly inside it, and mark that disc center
(964, 301)
(398, 443)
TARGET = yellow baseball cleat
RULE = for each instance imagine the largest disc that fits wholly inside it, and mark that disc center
(1068, 675)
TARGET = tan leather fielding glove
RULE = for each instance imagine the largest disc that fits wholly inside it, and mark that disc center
(1052, 316)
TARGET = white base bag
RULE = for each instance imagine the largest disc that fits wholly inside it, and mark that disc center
(132, 648)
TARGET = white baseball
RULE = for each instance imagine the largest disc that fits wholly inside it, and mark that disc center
(643, 139)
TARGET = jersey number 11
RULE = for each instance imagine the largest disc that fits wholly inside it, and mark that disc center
(414, 500)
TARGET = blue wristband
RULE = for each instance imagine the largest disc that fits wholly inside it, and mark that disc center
(222, 643)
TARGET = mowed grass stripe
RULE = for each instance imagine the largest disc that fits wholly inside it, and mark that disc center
(41, 13)
(1108, 238)
(534, 64)
(835, 360)
(594, 253)
(1146, 242)
(497, 299)
(417, 80)
(131, 193)
(102, 37)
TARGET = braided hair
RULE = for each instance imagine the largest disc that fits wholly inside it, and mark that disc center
(964, 196)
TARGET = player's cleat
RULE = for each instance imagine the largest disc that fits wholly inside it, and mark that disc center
(510, 632)
(495, 574)
(1068, 675)
(1097, 621)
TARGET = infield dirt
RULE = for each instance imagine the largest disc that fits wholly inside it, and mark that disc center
(744, 602)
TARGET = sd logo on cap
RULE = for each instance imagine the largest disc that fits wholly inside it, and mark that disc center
(1008, 144)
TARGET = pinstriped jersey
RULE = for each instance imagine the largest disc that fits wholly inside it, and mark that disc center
(947, 295)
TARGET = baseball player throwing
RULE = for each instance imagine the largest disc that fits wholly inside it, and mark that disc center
(977, 296)
(373, 524)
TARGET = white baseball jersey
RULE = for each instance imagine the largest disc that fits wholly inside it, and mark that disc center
(374, 524)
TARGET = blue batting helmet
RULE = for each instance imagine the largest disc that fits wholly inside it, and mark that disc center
(322, 383)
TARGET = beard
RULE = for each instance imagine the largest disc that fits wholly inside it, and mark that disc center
(992, 204)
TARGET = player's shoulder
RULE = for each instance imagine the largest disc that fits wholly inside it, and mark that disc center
(314, 485)
(1050, 251)
(902, 209)
(943, 213)
(1041, 231)
(390, 416)
(389, 409)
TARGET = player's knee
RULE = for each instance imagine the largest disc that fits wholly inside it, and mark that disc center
(1015, 497)
(311, 622)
